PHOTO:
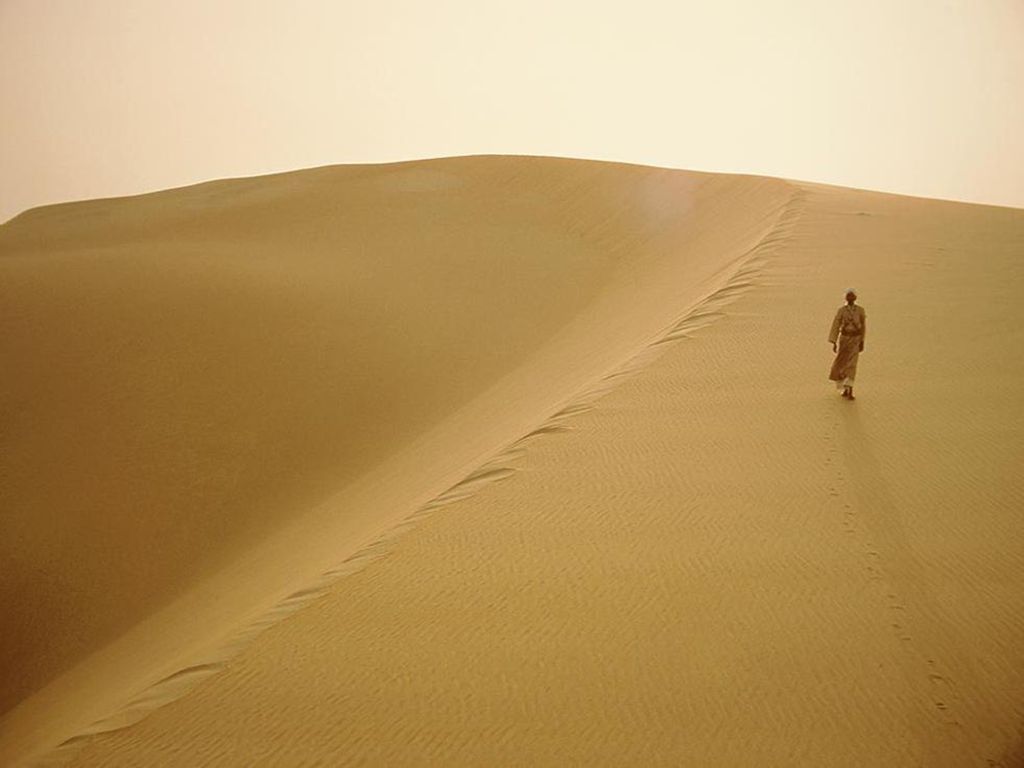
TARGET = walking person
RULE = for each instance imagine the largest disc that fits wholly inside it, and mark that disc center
(849, 327)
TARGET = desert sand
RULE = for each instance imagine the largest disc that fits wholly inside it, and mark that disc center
(510, 461)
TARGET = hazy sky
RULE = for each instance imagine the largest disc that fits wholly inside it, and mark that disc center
(111, 97)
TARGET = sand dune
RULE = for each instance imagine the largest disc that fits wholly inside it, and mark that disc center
(224, 395)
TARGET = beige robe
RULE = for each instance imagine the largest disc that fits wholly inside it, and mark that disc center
(852, 324)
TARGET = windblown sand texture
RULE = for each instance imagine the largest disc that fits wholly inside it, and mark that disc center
(638, 526)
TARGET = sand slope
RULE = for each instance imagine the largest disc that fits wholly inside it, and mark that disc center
(710, 561)
(225, 390)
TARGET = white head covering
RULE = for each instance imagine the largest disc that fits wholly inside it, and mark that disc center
(851, 290)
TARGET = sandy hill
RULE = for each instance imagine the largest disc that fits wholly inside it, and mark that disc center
(223, 403)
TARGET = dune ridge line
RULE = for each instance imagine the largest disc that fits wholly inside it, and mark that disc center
(739, 278)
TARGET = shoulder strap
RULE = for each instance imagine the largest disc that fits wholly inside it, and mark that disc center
(852, 316)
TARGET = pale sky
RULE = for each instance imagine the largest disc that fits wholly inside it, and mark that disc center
(115, 97)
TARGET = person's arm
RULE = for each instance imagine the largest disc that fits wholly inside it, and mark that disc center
(833, 334)
(863, 327)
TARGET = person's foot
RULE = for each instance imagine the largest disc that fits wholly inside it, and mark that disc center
(849, 395)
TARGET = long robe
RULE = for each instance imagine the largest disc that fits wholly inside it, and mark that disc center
(849, 326)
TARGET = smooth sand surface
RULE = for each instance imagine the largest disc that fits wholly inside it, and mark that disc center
(641, 528)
